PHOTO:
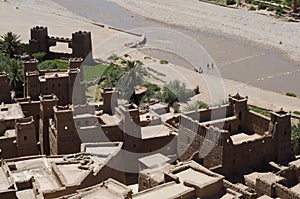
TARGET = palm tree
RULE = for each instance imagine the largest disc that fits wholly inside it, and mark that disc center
(10, 44)
(15, 74)
(133, 77)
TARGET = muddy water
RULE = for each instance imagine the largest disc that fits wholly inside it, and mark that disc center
(236, 58)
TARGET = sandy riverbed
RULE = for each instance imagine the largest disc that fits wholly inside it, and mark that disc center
(241, 23)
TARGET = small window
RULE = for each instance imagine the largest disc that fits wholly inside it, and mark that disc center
(240, 127)
(25, 138)
(240, 115)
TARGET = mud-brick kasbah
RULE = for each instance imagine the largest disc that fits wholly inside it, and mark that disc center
(53, 144)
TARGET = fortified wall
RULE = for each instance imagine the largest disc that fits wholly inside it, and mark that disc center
(80, 43)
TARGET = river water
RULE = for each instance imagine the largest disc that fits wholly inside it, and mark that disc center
(236, 58)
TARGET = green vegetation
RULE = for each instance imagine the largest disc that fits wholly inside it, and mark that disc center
(195, 106)
(260, 111)
(113, 58)
(39, 56)
(152, 91)
(10, 44)
(53, 64)
(91, 73)
(163, 62)
(176, 107)
(14, 69)
(252, 8)
(296, 112)
(112, 76)
(290, 94)
(230, 2)
(134, 76)
(295, 139)
(278, 11)
(176, 91)
(270, 8)
(261, 6)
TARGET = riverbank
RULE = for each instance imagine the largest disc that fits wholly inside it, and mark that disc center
(240, 23)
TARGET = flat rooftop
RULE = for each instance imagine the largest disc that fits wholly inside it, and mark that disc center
(243, 137)
(155, 131)
(166, 191)
(9, 133)
(195, 177)
(155, 160)
(109, 119)
(296, 188)
(110, 189)
(4, 185)
(10, 112)
(269, 177)
(39, 168)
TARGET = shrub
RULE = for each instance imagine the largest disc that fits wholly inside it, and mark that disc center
(126, 55)
(295, 139)
(290, 94)
(278, 11)
(39, 56)
(248, 1)
(296, 112)
(113, 57)
(260, 111)
(53, 64)
(176, 107)
(252, 8)
(261, 6)
(230, 2)
(271, 8)
(163, 62)
(195, 106)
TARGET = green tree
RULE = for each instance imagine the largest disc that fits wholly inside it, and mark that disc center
(4, 62)
(134, 76)
(295, 139)
(112, 77)
(10, 44)
(15, 75)
(195, 106)
(176, 91)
